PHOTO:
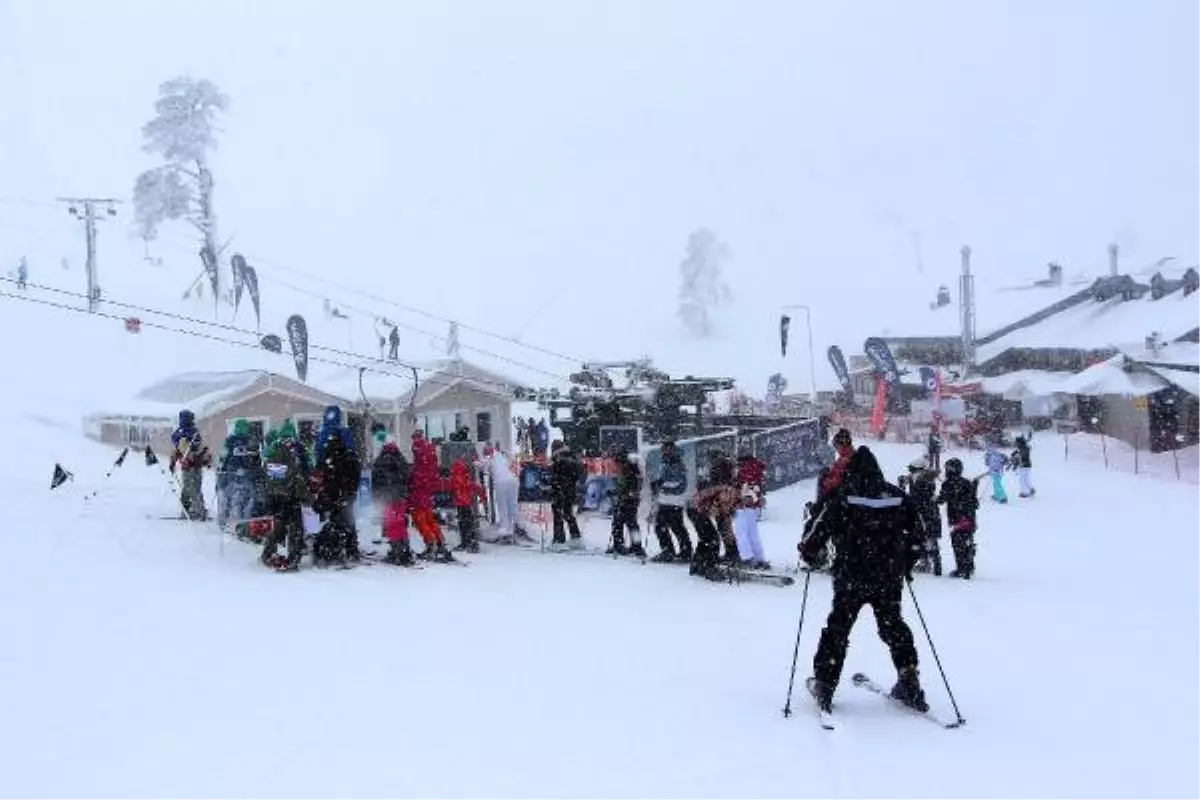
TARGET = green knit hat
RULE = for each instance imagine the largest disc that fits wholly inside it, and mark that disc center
(287, 430)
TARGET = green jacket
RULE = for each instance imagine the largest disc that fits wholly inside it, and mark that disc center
(285, 480)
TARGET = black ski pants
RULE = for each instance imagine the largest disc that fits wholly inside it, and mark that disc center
(668, 521)
(963, 544)
(562, 510)
(708, 542)
(468, 525)
(287, 528)
(625, 516)
(848, 600)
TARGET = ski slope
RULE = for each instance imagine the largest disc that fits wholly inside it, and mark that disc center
(144, 657)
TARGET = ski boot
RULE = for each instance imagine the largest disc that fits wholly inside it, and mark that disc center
(576, 543)
(617, 548)
(399, 554)
(908, 690)
(558, 544)
(664, 557)
(468, 546)
(440, 553)
(637, 550)
(822, 693)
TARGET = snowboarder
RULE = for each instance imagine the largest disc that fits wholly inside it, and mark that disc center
(960, 496)
(465, 492)
(338, 474)
(996, 462)
(240, 474)
(626, 498)
(878, 540)
(190, 455)
(921, 483)
(287, 494)
(565, 474)
(426, 482)
(390, 475)
(670, 491)
(1024, 462)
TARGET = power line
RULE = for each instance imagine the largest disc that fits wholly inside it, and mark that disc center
(358, 358)
(380, 299)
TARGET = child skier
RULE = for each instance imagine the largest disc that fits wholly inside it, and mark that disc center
(959, 496)
(1024, 462)
(390, 476)
(287, 495)
(465, 492)
(627, 498)
(996, 462)
(921, 483)
(745, 528)
(190, 456)
(426, 482)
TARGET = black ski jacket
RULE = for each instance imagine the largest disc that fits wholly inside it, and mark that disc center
(876, 533)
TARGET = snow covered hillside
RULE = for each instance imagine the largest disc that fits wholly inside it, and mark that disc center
(145, 657)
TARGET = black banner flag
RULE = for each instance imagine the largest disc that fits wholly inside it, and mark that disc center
(785, 322)
(297, 332)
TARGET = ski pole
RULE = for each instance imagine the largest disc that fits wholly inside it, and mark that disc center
(787, 707)
(933, 649)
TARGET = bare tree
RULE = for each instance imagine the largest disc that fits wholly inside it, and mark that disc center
(702, 289)
(182, 133)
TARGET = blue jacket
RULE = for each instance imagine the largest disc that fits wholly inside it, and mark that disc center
(672, 483)
(331, 425)
(994, 460)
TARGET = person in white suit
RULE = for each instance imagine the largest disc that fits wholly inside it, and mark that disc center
(504, 493)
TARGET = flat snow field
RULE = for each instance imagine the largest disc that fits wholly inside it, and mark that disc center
(143, 657)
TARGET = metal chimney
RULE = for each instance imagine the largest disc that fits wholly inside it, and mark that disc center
(966, 301)
(1112, 259)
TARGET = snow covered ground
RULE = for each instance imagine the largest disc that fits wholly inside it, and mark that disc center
(144, 657)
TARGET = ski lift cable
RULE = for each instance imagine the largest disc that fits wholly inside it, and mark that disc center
(255, 344)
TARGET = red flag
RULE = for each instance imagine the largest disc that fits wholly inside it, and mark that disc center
(877, 421)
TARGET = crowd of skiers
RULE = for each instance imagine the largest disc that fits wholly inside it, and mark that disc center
(723, 508)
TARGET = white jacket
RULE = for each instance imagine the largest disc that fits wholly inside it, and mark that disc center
(500, 469)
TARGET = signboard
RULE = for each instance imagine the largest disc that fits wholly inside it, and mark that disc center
(791, 452)
(533, 483)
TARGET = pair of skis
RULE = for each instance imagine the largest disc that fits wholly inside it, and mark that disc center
(862, 681)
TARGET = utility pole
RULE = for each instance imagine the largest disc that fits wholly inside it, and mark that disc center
(812, 361)
(89, 218)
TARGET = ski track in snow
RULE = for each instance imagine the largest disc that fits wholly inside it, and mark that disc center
(142, 657)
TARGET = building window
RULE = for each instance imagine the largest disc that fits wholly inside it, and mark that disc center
(483, 426)
(307, 426)
(258, 427)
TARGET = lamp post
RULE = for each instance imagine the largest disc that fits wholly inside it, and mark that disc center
(812, 362)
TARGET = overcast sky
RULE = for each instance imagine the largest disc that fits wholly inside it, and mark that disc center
(493, 154)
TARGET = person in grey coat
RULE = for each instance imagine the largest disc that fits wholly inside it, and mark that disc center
(670, 491)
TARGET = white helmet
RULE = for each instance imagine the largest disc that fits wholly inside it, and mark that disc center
(919, 464)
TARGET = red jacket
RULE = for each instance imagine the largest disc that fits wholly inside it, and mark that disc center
(425, 481)
(463, 487)
(752, 471)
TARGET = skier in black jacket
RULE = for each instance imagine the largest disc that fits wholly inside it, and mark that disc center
(1023, 460)
(878, 540)
(626, 499)
(961, 499)
(921, 482)
(337, 477)
(565, 474)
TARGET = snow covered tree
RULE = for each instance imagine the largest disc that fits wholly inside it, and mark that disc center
(182, 133)
(702, 289)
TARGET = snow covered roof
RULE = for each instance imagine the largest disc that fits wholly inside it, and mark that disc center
(207, 393)
(1112, 377)
(1093, 325)
(1172, 354)
(1186, 380)
(1025, 383)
